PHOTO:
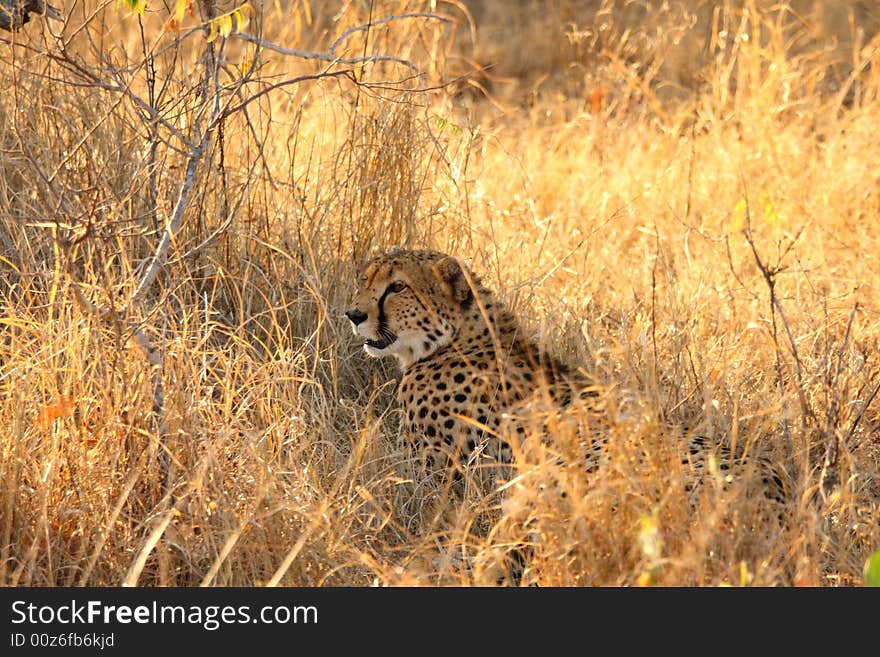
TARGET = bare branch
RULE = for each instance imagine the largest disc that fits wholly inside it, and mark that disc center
(770, 278)
(93, 80)
(173, 224)
(855, 424)
(317, 76)
(381, 21)
(332, 57)
(323, 56)
(770, 274)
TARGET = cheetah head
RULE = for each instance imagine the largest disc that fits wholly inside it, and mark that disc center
(410, 304)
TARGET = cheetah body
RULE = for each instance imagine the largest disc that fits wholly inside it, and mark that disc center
(467, 367)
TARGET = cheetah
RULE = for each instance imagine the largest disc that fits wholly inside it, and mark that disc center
(473, 385)
(469, 371)
(467, 365)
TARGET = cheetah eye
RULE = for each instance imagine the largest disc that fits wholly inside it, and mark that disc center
(397, 286)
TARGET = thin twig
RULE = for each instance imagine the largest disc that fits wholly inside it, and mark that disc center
(855, 424)
(845, 341)
(655, 380)
(92, 80)
(381, 21)
(830, 476)
(302, 78)
(687, 201)
(770, 278)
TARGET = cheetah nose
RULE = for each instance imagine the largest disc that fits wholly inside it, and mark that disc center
(356, 316)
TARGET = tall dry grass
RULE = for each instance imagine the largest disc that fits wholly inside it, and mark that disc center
(681, 198)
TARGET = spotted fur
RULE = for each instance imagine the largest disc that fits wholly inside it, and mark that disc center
(466, 364)
(470, 374)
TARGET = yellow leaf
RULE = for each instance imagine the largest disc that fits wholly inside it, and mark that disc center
(649, 577)
(242, 17)
(246, 12)
(180, 9)
(769, 209)
(738, 219)
(233, 21)
(649, 536)
(225, 25)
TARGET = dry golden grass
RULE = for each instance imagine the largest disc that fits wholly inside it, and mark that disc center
(622, 175)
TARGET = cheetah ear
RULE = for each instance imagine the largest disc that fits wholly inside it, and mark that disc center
(453, 279)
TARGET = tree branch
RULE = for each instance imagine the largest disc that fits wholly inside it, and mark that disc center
(323, 56)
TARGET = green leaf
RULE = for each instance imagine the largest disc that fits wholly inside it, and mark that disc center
(137, 6)
(872, 570)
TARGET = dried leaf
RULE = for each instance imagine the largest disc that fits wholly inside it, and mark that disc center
(62, 406)
(597, 99)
